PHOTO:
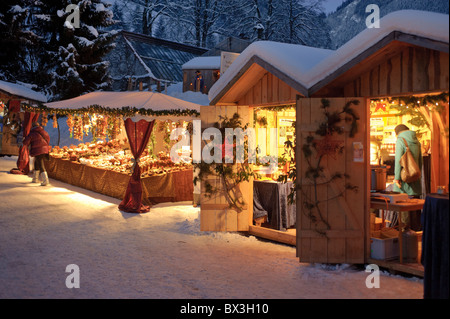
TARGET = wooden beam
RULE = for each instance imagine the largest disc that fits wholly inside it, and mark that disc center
(272, 234)
(342, 233)
(421, 41)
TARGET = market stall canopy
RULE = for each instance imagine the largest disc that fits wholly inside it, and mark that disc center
(136, 105)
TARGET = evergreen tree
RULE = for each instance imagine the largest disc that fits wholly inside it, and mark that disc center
(16, 41)
(41, 45)
(73, 60)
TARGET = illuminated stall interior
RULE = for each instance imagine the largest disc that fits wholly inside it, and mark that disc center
(279, 145)
(423, 114)
(427, 115)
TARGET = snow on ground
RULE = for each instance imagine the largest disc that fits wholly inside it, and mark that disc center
(159, 255)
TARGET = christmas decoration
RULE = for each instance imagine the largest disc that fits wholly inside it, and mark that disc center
(44, 119)
(380, 106)
(328, 146)
(55, 121)
(125, 111)
(70, 124)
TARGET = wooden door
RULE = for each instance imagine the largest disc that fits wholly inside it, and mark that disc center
(337, 234)
(215, 211)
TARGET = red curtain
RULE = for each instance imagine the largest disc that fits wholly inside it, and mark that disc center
(138, 135)
(24, 155)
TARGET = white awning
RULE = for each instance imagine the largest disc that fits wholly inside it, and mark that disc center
(139, 99)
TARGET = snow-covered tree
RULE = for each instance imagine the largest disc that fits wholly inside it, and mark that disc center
(253, 20)
(292, 21)
(73, 60)
(302, 22)
(41, 45)
(17, 41)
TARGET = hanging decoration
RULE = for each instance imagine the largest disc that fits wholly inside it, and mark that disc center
(102, 123)
(380, 106)
(328, 146)
(414, 101)
(44, 119)
(70, 124)
(55, 121)
(78, 128)
(86, 123)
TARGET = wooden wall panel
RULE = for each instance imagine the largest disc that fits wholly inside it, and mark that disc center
(412, 70)
(215, 213)
(269, 90)
(344, 241)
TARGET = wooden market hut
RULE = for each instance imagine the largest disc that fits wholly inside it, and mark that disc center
(400, 58)
(11, 97)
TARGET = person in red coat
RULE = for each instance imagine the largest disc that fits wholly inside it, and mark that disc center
(39, 142)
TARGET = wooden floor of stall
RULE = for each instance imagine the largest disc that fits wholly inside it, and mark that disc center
(289, 237)
(394, 266)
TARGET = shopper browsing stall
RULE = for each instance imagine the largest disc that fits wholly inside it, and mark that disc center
(39, 140)
(407, 138)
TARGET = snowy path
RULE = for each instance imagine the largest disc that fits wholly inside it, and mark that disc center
(161, 254)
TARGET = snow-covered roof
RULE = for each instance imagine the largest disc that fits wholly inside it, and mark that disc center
(307, 66)
(22, 91)
(429, 25)
(203, 63)
(139, 99)
(292, 59)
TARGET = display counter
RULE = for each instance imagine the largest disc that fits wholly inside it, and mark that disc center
(173, 186)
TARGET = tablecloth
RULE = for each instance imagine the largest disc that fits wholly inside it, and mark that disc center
(170, 187)
(271, 199)
(435, 246)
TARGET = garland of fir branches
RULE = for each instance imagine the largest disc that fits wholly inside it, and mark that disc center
(413, 105)
(125, 111)
(416, 101)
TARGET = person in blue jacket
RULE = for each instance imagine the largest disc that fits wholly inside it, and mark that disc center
(413, 189)
(198, 82)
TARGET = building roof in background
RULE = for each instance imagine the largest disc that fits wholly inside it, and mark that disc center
(161, 59)
(229, 44)
(22, 91)
(203, 63)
